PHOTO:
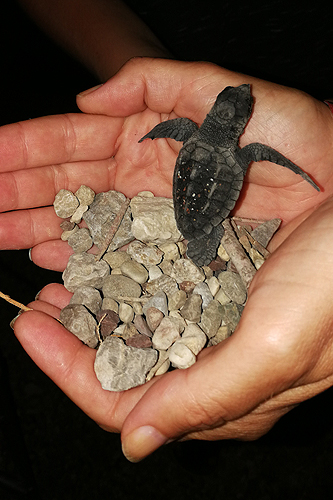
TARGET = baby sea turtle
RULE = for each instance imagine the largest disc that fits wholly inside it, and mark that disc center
(210, 169)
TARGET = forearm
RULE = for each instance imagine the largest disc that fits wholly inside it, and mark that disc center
(102, 34)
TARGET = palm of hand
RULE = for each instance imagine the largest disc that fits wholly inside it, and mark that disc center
(238, 406)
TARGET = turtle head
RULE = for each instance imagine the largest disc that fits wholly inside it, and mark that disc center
(233, 107)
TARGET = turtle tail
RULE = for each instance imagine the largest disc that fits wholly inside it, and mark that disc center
(203, 249)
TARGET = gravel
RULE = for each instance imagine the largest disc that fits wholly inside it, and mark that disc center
(149, 307)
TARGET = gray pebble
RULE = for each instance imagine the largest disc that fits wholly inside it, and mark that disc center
(65, 203)
(233, 286)
(116, 259)
(202, 289)
(176, 300)
(192, 308)
(100, 216)
(84, 270)
(117, 285)
(145, 254)
(185, 270)
(78, 320)
(165, 283)
(231, 315)
(80, 240)
(85, 195)
(89, 297)
(119, 367)
(134, 270)
(141, 325)
(211, 318)
(158, 300)
(264, 232)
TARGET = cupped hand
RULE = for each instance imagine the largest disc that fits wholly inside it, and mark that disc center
(280, 353)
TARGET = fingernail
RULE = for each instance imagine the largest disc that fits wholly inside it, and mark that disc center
(89, 91)
(11, 324)
(141, 442)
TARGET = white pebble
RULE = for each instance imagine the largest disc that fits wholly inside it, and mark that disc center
(213, 285)
(165, 334)
(126, 313)
(181, 356)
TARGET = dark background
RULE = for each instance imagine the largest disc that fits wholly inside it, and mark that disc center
(49, 449)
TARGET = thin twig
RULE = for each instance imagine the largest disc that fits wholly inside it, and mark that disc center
(114, 228)
(15, 302)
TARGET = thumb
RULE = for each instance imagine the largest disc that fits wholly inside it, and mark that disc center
(228, 381)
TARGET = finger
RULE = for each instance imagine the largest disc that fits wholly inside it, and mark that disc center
(55, 294)
(275, 347)
(69, 363)
(57, 139)
(51, 255)
(37, 187)
(161, 85)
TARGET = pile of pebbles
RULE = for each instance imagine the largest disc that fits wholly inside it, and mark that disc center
(148, 308)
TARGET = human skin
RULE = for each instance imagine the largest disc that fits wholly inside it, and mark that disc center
(281, 352)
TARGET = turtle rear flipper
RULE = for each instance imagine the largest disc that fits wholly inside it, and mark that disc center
(179, 129)
(202, 250)
(260, 152)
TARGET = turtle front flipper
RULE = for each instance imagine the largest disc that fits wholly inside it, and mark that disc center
(260, 152)
(179, 129)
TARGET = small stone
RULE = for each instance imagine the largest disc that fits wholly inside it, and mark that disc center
(137, 307)
(165, 283)
(182, 247)
(176, 316)
(116, 259)
(126, 313)
(194, 338)
(154, 272)
(100, 216)
(165, 334)
(77, 215)
(222, 297)
(264, 232)
(213, 285)
(139, 341)
(87, 296)
(187, 286)
(192, 308)
(256, 258)
(177, 300)
(119, 367)
(222, 253)
(129, 331)
(158, 300)
(65, 203)
(78, 320)
(80, 240)
(108, 321)
(208, 272)
(222, 334)
(84, 270)
(185, 270)
(117, 286)
(154, 220)
(145, 254)
(66, 234)
(181, 356)
(211, 318)
(66, 225)
(153, 317)
(202, 289)
(85, 195)
(161, 366)
(166, 267)
(231, 315)
(110, 304)
(134, 270)
(233, 286)
(141, 325)
(170, 250)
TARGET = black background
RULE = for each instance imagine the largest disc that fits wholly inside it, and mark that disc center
(49, 449)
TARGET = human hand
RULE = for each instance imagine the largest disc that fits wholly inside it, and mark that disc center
(273, 361)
